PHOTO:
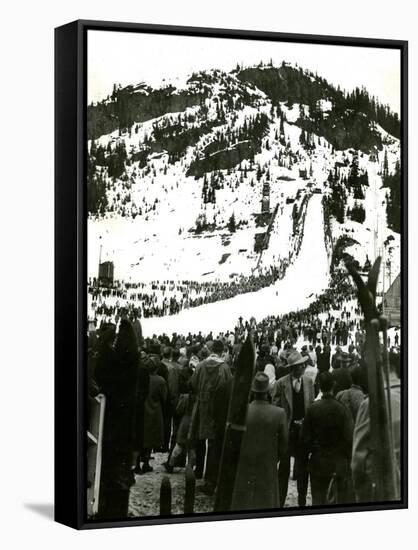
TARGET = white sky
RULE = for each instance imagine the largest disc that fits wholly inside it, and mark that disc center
(130, 58)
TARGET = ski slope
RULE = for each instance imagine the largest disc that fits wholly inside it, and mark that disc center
(305, 278)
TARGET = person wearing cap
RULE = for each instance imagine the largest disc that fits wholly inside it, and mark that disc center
(294, 393)
(263, 443)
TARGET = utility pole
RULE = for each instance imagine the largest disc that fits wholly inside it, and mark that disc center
(383, 280)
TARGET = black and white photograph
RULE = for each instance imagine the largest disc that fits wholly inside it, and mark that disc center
(244, 275)
(209, 252)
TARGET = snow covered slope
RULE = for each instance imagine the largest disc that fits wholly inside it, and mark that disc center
(306, 278)
(230, 174)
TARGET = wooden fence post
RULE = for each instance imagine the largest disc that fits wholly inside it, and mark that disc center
(165, 497)
(189, 491)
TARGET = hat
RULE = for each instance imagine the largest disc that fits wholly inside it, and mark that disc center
(295, 358)
(271, 372)
(152, 362)
(218, 346)
(345, 357)
(260, 383)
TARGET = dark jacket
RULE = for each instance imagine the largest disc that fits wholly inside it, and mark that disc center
(116, 378)
(136, 324)
(173, 371)
(352, 399)
(342, 377)
(265, 440)
(327, 434)
(153, 412)
(323, 362)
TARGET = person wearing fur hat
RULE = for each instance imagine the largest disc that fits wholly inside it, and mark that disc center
(264, 442)
(294, 393)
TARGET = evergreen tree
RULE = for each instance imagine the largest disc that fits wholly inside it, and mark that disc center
(393, 205)
(232, 224)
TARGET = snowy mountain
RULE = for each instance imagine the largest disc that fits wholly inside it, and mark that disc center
(221, 176)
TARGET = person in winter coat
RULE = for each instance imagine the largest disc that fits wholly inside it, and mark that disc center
(341, 372)
(353, 397)
(211, 384)
(264, 442)
(184, 446)
(264, 358)
(153, 413)
(362, 465)
(116, 374)
(327, 435)
(170, 420)
(142, 390)
(136, 323)
(294, 393)
(322, 364)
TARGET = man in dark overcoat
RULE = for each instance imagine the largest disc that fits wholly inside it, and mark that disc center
(294, 393)
(264, 442)
(170, 420)
(211, 384)
(116, 375)
(327, 434)
(153, 413)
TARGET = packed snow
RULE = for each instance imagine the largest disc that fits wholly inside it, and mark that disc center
(307, 277)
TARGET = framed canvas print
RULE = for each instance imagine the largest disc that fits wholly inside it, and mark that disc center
(231, 274)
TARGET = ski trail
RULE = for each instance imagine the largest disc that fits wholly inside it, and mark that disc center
(307, 277)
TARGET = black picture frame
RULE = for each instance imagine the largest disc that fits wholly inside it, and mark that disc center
(71, 260)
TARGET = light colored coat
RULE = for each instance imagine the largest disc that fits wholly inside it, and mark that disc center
(362, 457)
(282, 395)
(209, 381)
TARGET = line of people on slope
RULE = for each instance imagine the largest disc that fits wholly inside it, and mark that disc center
(157, 299)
